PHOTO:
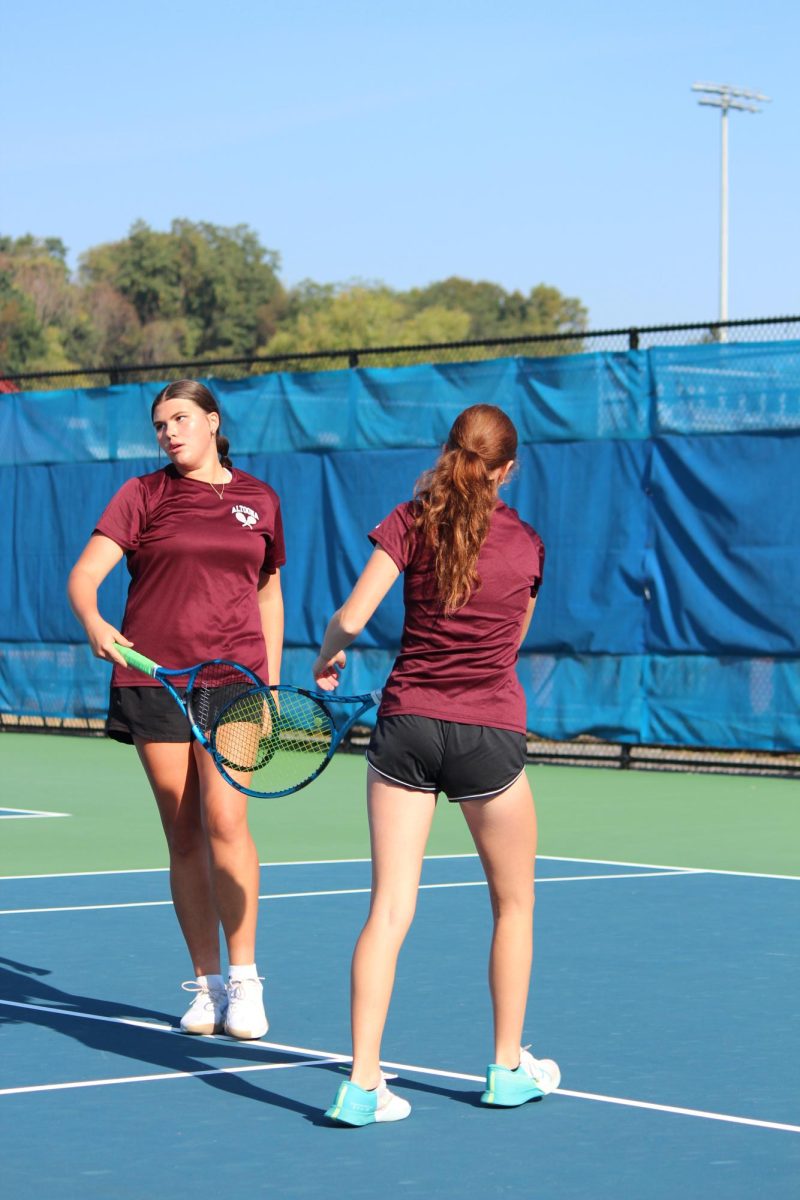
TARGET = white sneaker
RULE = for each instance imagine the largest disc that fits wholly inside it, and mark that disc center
(246, 1018)
(206, 1013)
(390, 1106)
(544, 1072)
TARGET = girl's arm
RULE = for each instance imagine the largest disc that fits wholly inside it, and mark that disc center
(347, 622)
(526, 624)
(270, 605)
(99, 557)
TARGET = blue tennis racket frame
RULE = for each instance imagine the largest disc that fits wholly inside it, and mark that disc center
(140, 662)
(365, 701)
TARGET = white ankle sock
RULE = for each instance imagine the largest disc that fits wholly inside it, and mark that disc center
(214, 983)
(249, 971)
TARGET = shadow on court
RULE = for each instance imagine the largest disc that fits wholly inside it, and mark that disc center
(471, 1099)
(23, 983)
(91, 1023)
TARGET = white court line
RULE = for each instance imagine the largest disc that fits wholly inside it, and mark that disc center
(615, 862)
(307, 862)
(682, 1112)
(363, 891)
(320, 1057)
(27, 814)
(87, 1083)
(324, 862)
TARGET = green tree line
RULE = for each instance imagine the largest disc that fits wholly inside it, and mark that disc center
(206, 291)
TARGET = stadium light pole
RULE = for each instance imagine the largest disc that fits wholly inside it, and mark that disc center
(724, 97)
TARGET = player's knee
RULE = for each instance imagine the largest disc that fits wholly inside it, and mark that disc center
(513, 904)
(185, 841)
(225, 828)
(394, 917)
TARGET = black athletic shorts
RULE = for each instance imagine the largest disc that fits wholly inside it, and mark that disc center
(465, 762)
(145, 712)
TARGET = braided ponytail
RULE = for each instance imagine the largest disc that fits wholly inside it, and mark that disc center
(223, 446)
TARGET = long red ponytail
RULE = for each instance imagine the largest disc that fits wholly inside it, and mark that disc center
(456, 498)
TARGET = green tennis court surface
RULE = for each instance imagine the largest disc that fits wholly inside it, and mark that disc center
(721, 822)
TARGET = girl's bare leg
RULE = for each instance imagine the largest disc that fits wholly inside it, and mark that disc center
(234, 870)
(503, 828)
(171, 771)
(399, 823)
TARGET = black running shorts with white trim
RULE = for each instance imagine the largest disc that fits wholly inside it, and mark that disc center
(149, 713)
(466, 762)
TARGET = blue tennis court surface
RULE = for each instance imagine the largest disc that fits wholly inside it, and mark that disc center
(668, 996)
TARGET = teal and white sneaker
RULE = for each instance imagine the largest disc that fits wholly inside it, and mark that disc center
(533, 1078)
(354, 1106)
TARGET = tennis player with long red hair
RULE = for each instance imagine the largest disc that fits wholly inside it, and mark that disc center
(452, 719)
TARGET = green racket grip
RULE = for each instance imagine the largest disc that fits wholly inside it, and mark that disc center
(134, 659)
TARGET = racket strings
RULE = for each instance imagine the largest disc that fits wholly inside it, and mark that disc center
(278, 739)
(213, 688)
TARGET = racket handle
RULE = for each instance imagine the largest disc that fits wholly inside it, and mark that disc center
(136, 660)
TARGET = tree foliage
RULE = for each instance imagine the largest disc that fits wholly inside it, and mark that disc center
(198, 291)
(36, 304)
(361, 317)
(496, 313)
(21, 336)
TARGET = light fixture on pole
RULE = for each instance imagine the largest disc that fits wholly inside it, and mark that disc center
(725, 97)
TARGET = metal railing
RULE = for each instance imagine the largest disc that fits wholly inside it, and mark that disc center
(636, 337)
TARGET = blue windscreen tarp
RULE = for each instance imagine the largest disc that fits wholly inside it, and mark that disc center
(663, 483)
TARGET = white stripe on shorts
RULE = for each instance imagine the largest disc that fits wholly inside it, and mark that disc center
(482, 795)
(413, 787)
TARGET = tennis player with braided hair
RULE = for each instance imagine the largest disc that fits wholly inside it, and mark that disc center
(204, 545)
(451, 720)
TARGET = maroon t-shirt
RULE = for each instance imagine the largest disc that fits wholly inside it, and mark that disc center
(461, 667)
(194, 562)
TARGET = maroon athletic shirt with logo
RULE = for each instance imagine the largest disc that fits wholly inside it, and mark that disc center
(462, 667)
(194, 562)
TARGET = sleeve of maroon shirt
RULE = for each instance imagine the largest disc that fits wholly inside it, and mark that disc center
(538, 544)
(275, 549)
(392, 535)
(124, 516)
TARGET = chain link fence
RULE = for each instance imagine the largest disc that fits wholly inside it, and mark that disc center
(644, 337)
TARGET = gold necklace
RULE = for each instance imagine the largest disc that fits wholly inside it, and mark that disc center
(221, 492)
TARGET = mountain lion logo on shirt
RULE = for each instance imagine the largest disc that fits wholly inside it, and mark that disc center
(246, 516)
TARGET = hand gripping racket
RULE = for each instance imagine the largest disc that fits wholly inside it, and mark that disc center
(275, 740)
(201, 692)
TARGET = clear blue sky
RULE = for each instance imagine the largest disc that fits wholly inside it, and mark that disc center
(511, 141)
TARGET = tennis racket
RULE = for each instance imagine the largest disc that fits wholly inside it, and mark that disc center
(201, 692)
(281, 738)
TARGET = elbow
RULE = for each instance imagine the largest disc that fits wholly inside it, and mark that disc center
(73, 582)
(348, 623)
